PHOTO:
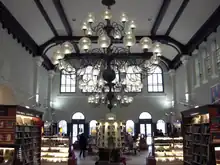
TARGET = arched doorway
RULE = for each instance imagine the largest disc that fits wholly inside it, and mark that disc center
(78, 122)
(161, 125)
(92, 127)
(130, 127)
(62, 125)
(145, 121)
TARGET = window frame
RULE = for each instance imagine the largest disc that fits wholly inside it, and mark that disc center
(157, 82)
(65, 83)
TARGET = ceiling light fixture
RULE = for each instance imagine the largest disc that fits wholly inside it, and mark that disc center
(108, 60)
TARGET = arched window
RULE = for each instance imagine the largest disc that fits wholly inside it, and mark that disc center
(92, 127)
(68, 81)
(130, 127)
(78, 116)
(145, 115)
(62, 127)
(155, 80)
(133, 79)
(161, 125)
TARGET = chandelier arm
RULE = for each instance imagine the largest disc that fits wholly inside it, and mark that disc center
(99, 28)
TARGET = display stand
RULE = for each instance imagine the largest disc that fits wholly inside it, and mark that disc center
(110, 139)
(20, 135)
(168, 150)
(55, 149)
(201, 132)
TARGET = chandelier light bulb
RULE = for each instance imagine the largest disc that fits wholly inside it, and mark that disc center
(91, 18)
(118, 97)
(145, 43)
(58, 55)
(157, 48)
(124, 18)
(67, 47)
(129, 40)
(117, 35)
(85, 43)
(89, 32)
(132, 25)
(84, 26)
(104, 41)
(107, 15)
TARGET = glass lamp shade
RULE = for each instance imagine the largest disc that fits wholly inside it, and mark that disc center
(89, 32)
(124, 18)
(90, 18)
(145, 43)
(84, 26)
(107, 15)
(104, 41)
(85, 43)
(54, 61)
(129, 40)
(157, 48)
(117, 35)
(67, 47)
(58, 55)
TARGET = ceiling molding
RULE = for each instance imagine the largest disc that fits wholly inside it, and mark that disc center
(177, 16)
(75, 39)
(20, 34)
(206, 29)
(160, 16)
(46, 17)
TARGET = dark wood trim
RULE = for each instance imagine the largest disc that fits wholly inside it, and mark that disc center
(177, 16)
(63, 17)
(205, 30)
(46, 17)
(160, 16)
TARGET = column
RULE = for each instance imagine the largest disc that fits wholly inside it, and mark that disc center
(203, 52)
(36, 83)
(51, 74)
(172, 74)
(185, 61)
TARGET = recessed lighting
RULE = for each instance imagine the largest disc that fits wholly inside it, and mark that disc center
(27, 107)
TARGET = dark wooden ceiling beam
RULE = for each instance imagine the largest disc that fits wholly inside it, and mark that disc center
(177, 16)
(160, 16)
(64, 20)
(13, 27)
(46, 17)
(205, 30)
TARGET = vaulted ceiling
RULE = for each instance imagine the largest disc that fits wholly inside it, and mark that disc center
(182, 23)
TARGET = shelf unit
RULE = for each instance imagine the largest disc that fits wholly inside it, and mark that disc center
(55, 149)
(201, 129)
(168, 150)
(20, 128)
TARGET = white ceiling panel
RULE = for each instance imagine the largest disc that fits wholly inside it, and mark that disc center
(30, 18)
(194, 16)
(54, 16)
(169, 16)
(144, 12)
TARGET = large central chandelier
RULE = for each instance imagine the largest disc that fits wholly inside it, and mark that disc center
(104, 63)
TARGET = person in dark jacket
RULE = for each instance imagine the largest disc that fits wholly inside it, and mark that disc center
(82, 145)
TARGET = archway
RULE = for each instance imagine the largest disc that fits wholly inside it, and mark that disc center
(145, 121)
(92, 127)
(161, 125)
(62, 125)
(130, 127)
(78, 123)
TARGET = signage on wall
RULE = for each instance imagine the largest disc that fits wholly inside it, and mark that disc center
(215, 94)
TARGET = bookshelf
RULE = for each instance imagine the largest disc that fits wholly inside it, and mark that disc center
(200, 126)
(20, 134)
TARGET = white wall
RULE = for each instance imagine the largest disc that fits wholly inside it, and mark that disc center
(16, 70)
(66, 105)
(200, 91)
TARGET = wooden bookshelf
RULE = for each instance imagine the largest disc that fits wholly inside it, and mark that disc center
(20, 128)
(199, 129)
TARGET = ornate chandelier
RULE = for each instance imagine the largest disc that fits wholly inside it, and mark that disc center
(104, 71)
